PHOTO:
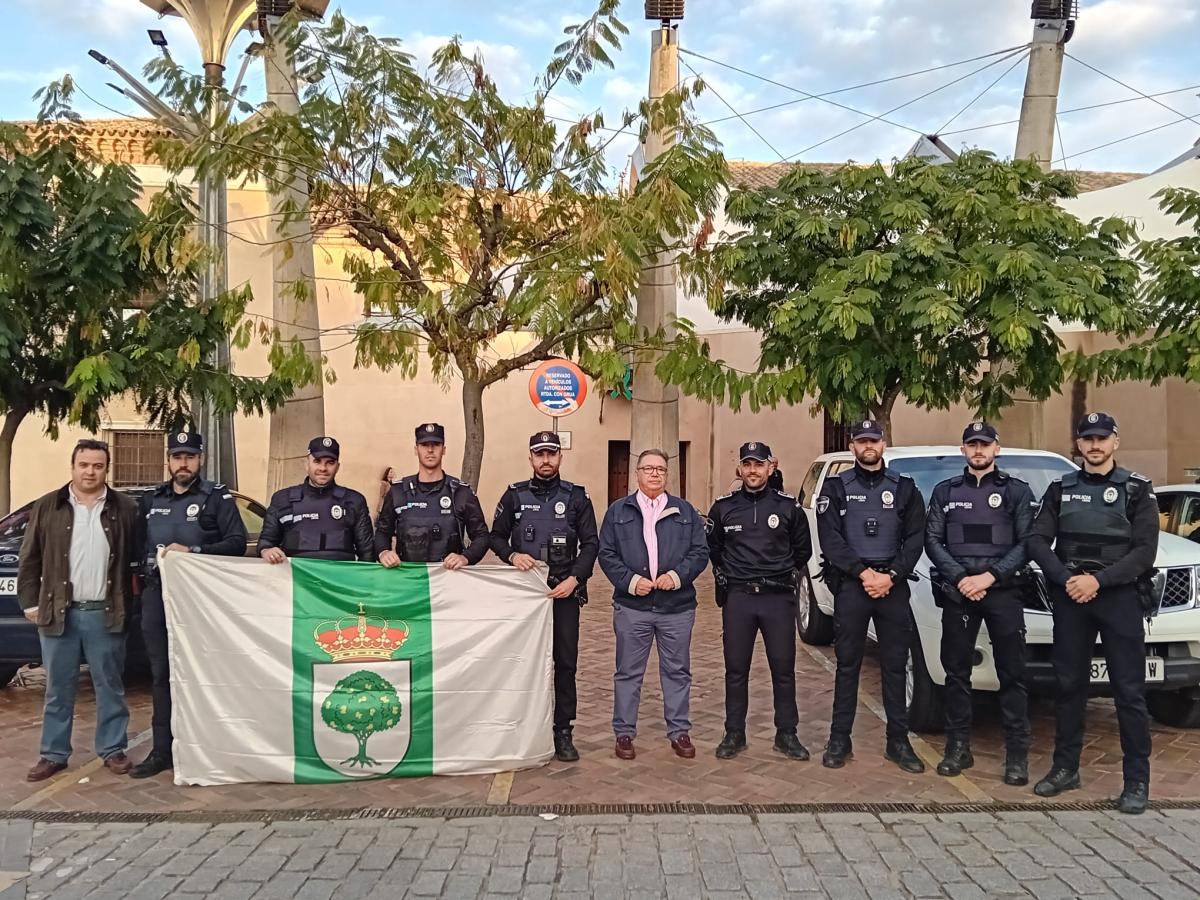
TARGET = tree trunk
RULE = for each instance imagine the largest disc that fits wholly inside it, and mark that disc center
(472, 401)
(881, 412)
(8, 432)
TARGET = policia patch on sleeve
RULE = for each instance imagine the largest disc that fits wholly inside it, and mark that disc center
(822, 505)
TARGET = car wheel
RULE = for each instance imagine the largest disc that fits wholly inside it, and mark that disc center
(924, 698)
(814, 626)
(1179, 709)
(7, 674)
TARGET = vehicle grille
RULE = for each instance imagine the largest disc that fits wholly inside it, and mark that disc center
(1179, 589)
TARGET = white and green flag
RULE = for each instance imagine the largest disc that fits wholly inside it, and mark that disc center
(315, 671)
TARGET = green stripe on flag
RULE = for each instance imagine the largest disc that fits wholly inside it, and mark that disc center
(362, 663)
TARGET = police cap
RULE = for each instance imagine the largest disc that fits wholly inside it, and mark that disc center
(754, 450)
(866, 428)
(1096, 424)
(431, 433)
(544, 440)
(980, 431)
(185, 442)
(324, 448)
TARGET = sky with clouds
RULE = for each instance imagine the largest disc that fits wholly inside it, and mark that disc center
(813, 46)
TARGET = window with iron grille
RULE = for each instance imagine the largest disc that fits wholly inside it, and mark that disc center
(137, 457)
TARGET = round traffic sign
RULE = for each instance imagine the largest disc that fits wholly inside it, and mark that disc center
(557, 387)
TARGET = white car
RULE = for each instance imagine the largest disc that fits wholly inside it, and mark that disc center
(1172, 637)
(1179, 510)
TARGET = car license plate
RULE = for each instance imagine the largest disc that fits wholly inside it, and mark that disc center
(8, 585)
(1154, 670)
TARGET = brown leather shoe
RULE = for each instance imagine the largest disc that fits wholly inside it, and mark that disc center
(684, 747)
(44, 769)
(118, 763)
(625, 748)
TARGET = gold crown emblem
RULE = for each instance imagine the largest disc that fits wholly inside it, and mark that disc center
(360, 639)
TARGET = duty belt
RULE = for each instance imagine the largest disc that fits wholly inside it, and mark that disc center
(763, 586)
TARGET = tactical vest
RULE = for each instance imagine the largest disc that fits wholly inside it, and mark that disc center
(426, 528)
(320, 526)
(1093, 521)
(872, 520)
(545, 527)
(176, 519)
(979, 522)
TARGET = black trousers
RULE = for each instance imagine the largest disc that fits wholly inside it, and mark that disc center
(154, 632)
(1004, 615)
(853, 611)
(744, 615)
(566, 660)
(1117, 618)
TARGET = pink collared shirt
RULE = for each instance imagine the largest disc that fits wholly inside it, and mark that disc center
(652, 509)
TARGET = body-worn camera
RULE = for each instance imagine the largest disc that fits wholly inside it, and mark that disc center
(871, 526)
(559, 550)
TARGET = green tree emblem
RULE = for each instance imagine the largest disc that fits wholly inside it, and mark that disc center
(361, 704)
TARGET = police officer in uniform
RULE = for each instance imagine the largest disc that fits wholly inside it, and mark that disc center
(871, 525)
(1103, 522)
(757, 538)
(975, 534)
(546, 520)
(431, 516)
(187, 514)
(318, 518)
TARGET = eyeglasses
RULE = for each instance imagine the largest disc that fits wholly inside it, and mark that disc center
(653, 470)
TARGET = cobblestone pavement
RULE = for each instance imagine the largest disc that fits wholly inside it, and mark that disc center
(839, 855)
(758, 776)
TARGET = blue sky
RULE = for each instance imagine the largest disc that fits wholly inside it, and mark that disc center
(810, 45)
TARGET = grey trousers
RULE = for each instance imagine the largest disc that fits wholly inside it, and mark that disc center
(636, 631)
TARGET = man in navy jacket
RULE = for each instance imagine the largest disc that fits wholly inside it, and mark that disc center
(652, 548)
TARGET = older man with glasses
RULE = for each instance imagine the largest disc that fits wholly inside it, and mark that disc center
(652, 548)
(73, 583)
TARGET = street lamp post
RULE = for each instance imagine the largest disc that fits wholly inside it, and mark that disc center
(215, 24)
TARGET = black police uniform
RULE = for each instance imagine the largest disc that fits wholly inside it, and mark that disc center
(975, 526)
(870, 519)
(205, 518)
(552, 520)
(326, 522)
(757, 540)
(428, 520)
(1105, 525)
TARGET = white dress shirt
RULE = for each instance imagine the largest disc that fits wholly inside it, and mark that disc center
(89, 550)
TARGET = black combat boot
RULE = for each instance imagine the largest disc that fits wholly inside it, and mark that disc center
(789, 745)
(837, 751)
(154, 763)
(564, 747)
(956, 758)
(731, 745)
(1056, 782)
(1016, 768)
(1134, 798)
(902, 754)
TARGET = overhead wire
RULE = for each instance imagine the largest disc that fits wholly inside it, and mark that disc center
(853, 87)
(745, 122)
(981, 94)
(1128, 137)
(1130, 87)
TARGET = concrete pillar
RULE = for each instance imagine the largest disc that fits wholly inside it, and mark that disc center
(1035, 134)
(294, 299)
(654, 419)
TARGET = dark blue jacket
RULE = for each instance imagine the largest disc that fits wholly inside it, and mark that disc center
(682, 549)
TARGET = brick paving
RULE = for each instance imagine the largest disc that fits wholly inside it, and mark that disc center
(838, 855)
(758, 776)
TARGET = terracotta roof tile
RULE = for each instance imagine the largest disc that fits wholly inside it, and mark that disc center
(760, 174)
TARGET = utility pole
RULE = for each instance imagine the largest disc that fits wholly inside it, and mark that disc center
(294, 299)
(1054, 23)
(654, 416)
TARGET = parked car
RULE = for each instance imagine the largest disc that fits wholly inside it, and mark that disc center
(19, 643)
(1172, 637)
(1179, 510)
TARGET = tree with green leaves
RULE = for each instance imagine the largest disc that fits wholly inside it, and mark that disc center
(97, 295)
(941, 283)
(490, 235)
(362, 704)
(1169, 301)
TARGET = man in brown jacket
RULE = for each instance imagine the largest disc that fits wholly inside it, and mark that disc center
(73, 583)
